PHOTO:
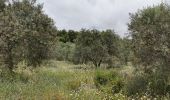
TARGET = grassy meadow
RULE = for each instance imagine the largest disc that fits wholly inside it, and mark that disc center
(55, 80)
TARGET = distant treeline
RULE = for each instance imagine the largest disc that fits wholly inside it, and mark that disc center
(92, 45)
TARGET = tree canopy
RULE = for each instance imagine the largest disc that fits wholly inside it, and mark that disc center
(96, 46)
(25, 27)
(150, 37)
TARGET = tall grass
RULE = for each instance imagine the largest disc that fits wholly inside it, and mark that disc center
(64, 81)
(54, 81)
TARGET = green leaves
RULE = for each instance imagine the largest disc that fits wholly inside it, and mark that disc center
(25, 28)
(95, 46)
(150, 35)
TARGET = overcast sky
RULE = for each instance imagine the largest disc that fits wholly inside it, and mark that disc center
(100, 14)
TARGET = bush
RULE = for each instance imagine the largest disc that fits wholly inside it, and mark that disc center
(153, 84)
(117, 87)
(101, 78)
(158, 87)
(158, 84)
(108, 81)
(168, 89)
(137, 84)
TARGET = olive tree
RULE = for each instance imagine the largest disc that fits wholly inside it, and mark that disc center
(150, 31)
(39, 29)
(95, 46)
(10, 35)
(25, 33)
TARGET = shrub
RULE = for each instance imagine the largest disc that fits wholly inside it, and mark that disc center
(138, 84)
(117, 87)
(108, 81)
(153, 84)
(101, 78)
(168, 89)
(158, 84)
(158, 87)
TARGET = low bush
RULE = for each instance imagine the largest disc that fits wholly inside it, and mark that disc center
(101, 78)
(153, 84)
(158, 84)
(137, 84)
(158, 87)
(168, 89)
(108, 81)
(118, 85)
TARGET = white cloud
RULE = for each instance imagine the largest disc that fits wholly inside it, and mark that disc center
(100, 14)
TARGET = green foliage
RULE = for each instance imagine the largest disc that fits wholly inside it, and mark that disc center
(154, 84)
(137, 84)
(158, 87)
(150, 41)
(110, 40)
(150, 37)
(95, 46)
(10, 35)
(125, 51)
(63, 51)
(101, 78)
(63, 36)
(2, 5)
(26, 33)
(67, 36)
(168, 88)
(72, 36)
(108, 81)
(89, 46)
(157, 84)
(39, 32)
